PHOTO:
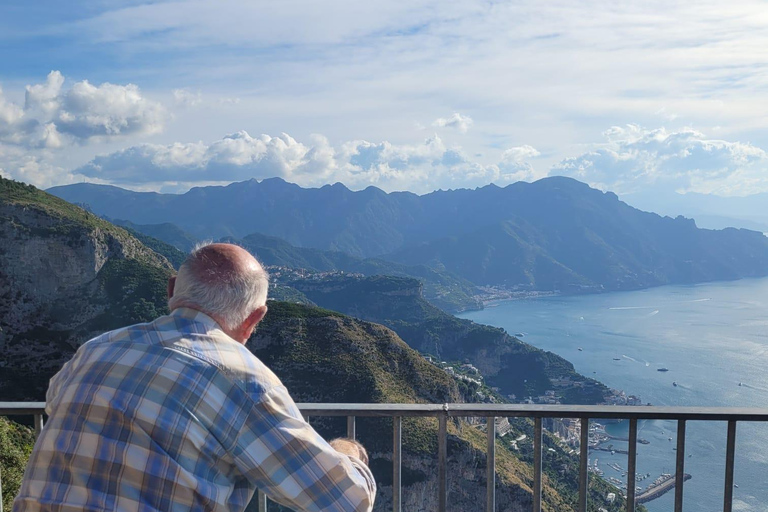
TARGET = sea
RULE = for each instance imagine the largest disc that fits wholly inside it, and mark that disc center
(713, 339)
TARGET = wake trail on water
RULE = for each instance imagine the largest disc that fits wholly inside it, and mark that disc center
(629, 308)
(638, 361)
(756, 388)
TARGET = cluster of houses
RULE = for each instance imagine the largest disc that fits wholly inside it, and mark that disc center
(465, 372)
(468, 373)
(282, 275)
(618, 397)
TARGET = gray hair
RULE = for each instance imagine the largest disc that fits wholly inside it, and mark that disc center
(220, 288)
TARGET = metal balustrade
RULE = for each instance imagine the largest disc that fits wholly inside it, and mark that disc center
(492, 411)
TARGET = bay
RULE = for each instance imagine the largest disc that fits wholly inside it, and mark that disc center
(713, 339)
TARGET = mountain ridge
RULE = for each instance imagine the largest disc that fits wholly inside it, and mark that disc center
(561, 234)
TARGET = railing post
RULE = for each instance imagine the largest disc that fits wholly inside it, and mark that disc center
(537, 442)
(262, 499)
(351, 427)
(397, 460)
(442, 462)
(490, 468)
(730, 455)
(632, 465)
(680, 466)
(583, 459)
(38, 425)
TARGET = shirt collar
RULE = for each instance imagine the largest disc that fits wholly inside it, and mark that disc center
(197, 317)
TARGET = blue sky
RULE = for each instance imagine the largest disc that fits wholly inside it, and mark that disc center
(639, 98)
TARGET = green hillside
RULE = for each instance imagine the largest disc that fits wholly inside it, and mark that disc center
(443, 289)
(167, 232)
(506, 362)
(323, 356)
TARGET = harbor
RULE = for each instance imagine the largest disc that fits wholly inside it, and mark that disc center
(602, 441)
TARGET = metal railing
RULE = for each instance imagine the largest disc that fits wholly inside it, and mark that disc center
(492, 411)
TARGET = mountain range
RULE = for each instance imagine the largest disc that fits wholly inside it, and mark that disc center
(556, 234)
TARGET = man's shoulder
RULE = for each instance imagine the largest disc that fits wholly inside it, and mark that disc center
(136, 332)
(232, 358)
(193, 338)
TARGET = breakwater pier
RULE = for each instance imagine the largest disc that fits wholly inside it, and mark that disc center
(659, 487)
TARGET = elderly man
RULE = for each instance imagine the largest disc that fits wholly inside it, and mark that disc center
(178, 415)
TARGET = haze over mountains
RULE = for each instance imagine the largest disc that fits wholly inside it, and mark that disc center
(553, 234)
(709, 210)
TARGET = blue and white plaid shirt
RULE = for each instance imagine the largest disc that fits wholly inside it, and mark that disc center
(175, 415)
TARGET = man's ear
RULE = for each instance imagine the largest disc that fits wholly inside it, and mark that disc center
(171, 286)
(254, 318)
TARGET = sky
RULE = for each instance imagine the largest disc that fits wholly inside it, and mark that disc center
(641, 98)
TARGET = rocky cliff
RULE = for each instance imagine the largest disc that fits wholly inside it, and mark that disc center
(65, 275)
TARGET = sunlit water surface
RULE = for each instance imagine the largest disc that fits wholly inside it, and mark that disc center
(711, 337)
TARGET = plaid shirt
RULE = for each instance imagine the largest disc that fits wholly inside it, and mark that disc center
(175, 415)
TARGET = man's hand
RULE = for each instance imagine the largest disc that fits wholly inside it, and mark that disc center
(350, 447)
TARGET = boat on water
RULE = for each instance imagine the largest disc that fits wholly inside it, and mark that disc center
(581, 350)
(674, 383)
(519, 334)
(662, 369)
(617, 359)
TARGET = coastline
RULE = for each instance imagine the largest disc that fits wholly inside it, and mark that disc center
(492, 296)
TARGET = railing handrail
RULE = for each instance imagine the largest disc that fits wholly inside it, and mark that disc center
(639, 412)
(492, 411)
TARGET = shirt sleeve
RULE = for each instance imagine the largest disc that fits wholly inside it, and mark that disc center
(59, 380)
(282, 455)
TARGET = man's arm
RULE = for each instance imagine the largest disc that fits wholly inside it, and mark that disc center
(285, 458)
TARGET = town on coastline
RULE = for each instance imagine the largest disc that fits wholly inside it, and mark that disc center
(568, 430)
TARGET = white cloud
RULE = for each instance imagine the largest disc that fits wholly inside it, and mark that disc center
(635, 159)
(52, 117)
(514, 164)
(418, 167)
(234, 157)
(107, 110)
(456, 121)
(18, 164)
(10, 114)
(43, 99)
(186, 98)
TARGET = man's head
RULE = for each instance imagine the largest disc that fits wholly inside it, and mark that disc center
(225, 282)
